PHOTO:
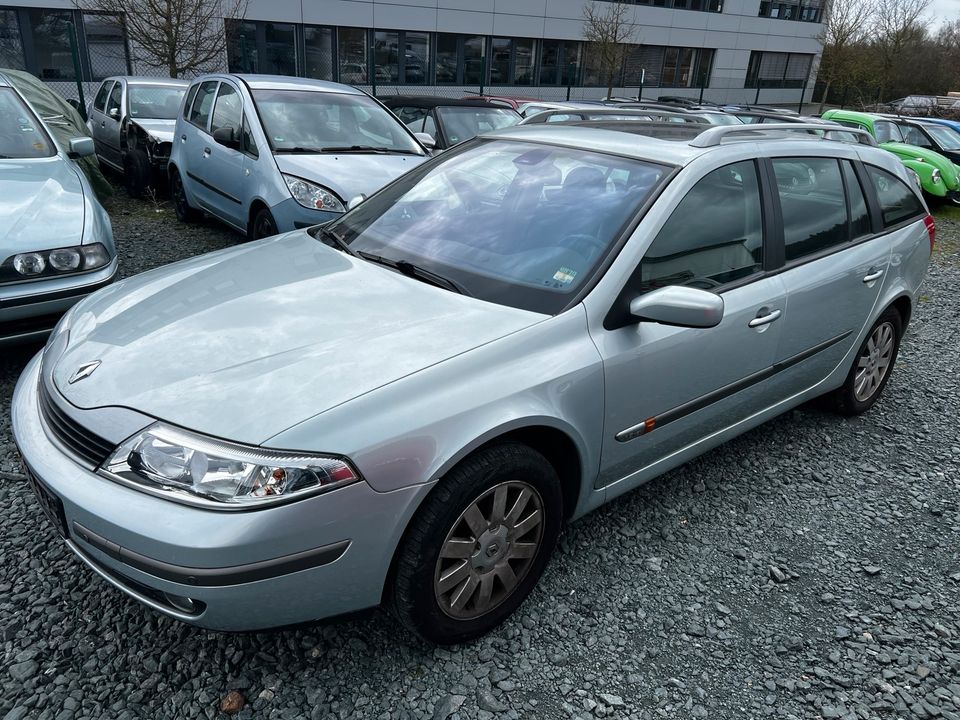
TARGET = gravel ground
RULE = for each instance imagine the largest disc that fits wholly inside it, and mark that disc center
(807, 569)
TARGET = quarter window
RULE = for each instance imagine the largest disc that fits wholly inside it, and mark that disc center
(116, 97)
(247, 143)
(715, 235)
(897, 201)
(99, 103)
(200, 112)
(859, 218)
(813, 204)
(191, 94)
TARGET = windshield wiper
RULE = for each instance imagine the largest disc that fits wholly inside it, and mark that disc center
(334, 240)
(358, 149)
(299, 150)
(405, 267)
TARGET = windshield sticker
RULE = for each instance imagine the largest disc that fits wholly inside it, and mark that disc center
(565, 275)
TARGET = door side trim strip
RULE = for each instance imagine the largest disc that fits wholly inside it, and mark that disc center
(687, 408)
(215, 189)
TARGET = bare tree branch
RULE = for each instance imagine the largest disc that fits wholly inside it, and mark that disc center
(607, 27)
(181, 37)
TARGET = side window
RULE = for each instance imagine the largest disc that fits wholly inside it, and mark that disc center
(200, 112)
(228, 111)
(897, 201)
(887, 132)
(813, 204)
(409, 115)
(859, 217)
(430, 126)
(247, 143)
(563, 117)
(914, 136)
(100, 102)
(116, 95)
(715, 235)
(191, 94)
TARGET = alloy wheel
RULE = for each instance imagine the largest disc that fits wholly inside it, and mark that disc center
(874, 362)
(489, 550)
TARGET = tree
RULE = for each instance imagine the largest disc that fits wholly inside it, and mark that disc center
(607, 27)
(845, 25)
(180, 37)
(898, 25)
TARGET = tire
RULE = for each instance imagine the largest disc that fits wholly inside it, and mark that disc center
(868, 375)
(487, 570)
(263, 225)
(181, 205)
(137, 173)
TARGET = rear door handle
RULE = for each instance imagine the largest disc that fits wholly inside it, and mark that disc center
(183, 138)
(765, 319)
(873, 274)
(206, 152)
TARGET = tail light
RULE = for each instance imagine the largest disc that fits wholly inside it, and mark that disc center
(931, 230)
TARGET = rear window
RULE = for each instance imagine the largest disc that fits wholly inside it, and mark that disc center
(898, 202)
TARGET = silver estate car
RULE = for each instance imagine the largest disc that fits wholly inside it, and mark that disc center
(132, 121)
(56, 243)
(270, 154)
(406, 404)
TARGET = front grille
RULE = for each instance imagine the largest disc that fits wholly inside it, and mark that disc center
(87, 446)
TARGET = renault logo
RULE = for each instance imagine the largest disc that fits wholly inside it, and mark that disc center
(84, 371)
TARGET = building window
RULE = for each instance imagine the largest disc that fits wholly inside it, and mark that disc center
(262, 47)
(702, 5)
(804, 10)
(51, 43)
(474, 59)
(318, 49)
(106, 45)
(459, 59)
(401, 57)
(11, 46)
(512, 61)
(559, 62)
(777, 70)
(352, 53)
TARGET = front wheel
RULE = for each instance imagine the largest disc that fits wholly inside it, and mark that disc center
(263, 225)
(872, 366)
(137, 173)
(479, 544)
(181, 205)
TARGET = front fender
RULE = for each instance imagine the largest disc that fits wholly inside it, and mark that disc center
(925, 171)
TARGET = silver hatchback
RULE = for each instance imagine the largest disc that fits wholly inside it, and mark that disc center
(406, 404)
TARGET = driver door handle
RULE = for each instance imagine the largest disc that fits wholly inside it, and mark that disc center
(206, 152)
(872, 274)
(765, 319)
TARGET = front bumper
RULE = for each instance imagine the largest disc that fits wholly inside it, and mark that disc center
(291, 215)
(314, 558)
(29, 310)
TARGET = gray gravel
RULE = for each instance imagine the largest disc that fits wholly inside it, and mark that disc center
(807, 569)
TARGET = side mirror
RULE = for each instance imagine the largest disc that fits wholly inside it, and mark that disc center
(114, 113)
(426, 139)
(354, 201)
(80, 147)
(680, 306)
(224, 136)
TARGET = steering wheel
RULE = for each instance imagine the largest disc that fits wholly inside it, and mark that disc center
(576, 241)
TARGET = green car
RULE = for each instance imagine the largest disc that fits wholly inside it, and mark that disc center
(938, 175)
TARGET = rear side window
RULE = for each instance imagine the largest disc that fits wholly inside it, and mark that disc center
(191, 94)
(715, 236)
(897, 201)
(200, 112)
(913, 135)
(100, 102)
(859, 217)
(813, 205)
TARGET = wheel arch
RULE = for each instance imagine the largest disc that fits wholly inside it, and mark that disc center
(256, 205)
(903, 305)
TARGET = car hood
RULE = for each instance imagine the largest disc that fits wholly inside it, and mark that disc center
(350, 174)
(162, 130)
(246, 342)
(41, 205)
(913, 152)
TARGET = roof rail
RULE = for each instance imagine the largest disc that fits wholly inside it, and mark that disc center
(775, 131)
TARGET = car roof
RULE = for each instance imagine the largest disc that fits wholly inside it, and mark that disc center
(147, 80)
(288, 82)
(432, 101)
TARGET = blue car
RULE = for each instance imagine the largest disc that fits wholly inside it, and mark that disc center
(56, 243)
(271, 154)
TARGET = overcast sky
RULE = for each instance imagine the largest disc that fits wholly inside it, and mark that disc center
(942, 11)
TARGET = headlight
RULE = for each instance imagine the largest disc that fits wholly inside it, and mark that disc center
(916, 178)
(51, 263)
(212, 472)
(313, 196)
(935, 175)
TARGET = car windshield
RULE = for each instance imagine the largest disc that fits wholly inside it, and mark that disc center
(463, 123)
(21, 134)
(155, 102)
(511, 222)
(947, 138)
(314, 121)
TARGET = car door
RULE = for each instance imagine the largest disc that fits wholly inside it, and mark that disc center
(221, 164)
(98, 110)
(110, 125)
(834, 265)
(194, 137)
(669, 387)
